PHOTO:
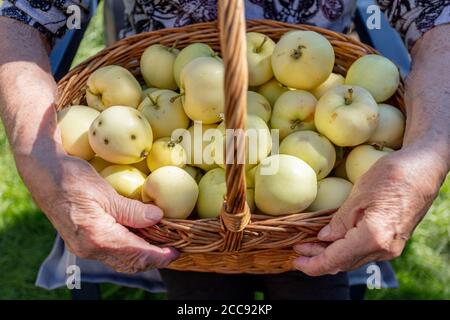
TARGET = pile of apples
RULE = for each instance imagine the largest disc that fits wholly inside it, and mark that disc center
(330, 128)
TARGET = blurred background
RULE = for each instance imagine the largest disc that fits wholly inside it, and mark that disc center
(26, 236)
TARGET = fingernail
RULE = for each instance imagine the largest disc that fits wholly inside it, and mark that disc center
(170, 254)
(153, 214)
(324, 233)
(170, 251)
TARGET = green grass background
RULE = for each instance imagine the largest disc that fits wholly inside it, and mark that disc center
(26, 236)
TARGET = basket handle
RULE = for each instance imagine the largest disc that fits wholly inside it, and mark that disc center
(235, 214)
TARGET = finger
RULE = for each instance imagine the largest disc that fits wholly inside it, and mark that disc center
(310, 249)
(133, 213)
(342, 255)
(343, 220)
(126, 252)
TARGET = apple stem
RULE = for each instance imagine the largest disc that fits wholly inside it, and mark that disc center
(297, 53)
(378, 146)
(144, 153)
(259, 48)
(172, 100)
(172, 143)
(295, 124)
(349, 97)
(153, 101)
(174, 46)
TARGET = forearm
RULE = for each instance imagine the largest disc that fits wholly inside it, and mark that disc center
(27, 88)
(27, 96)
(428, 96)
(85, 210)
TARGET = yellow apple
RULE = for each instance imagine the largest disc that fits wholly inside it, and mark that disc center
(376, 74)
(212, 191)
(164, 111)
(390, 129)
(125, 179)
(111, 86)
(333, 80)
(258, 105)
(259, 53)
(250, 177)
(201, 82)
(199, 143)
(293, 111)
(347, 115)
(272, 90)
(313, 148)
(250, 184)
(74, 123)
(157, 66)
(361, 158)
(99, 164)
(121, 135)
(291, 187)
(173, 190)
(189, 53)
(302, 59)
(331, 194)
(250, 198)
(166, 152)
(258, 142)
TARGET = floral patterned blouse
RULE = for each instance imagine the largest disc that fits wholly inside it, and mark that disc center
(411, 18)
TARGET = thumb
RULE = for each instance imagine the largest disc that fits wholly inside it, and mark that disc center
(343, 220)
(133, 213)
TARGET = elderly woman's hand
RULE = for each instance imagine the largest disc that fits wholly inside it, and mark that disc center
(388, 202)
(380, 215)
(88, 213)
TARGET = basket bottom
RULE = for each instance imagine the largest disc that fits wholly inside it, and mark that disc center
(270, 261)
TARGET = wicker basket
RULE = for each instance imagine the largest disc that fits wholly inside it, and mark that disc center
(236, 242)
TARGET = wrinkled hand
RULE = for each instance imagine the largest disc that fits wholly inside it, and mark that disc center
(89, 214)
(379, 216)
